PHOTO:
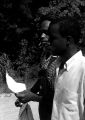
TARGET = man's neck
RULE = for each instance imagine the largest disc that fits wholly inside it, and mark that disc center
(68, 53)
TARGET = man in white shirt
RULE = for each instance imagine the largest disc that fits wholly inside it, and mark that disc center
(69, 83)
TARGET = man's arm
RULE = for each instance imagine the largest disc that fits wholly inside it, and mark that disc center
(27, 96)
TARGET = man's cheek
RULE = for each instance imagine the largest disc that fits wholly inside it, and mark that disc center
(55, 44)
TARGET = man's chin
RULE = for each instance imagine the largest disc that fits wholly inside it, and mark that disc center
(56, 53)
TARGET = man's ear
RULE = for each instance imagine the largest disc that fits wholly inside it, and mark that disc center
(69, 40)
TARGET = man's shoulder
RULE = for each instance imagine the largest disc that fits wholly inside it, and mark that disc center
(83, 62)
(83, 59)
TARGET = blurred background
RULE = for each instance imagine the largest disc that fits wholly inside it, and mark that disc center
(19, 32)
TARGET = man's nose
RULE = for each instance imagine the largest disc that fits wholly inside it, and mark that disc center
(43, 35)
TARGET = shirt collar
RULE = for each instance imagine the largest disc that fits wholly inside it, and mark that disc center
(72, 60)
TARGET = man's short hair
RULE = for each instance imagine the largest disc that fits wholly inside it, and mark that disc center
(69, 26)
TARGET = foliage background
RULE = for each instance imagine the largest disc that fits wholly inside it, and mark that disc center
(19, 41)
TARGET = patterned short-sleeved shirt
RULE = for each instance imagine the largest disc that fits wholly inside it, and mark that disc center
(50, 66)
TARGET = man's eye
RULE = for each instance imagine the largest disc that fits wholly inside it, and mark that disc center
(52, 37)
(44, 31)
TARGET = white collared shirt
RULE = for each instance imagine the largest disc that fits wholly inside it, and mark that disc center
(68, 102)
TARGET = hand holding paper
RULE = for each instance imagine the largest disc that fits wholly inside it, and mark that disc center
(13, 85)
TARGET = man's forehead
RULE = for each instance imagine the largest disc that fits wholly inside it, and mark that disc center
(45, 24)
(54, 28)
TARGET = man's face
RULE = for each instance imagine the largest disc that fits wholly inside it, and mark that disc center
(44, 29)
(58, 42)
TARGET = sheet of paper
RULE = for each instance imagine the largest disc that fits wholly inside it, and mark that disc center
(13, 85)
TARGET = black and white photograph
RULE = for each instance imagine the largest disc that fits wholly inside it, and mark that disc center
(42, 59)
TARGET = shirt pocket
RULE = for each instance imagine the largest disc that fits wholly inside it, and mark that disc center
(70, 100)
(65, 105)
